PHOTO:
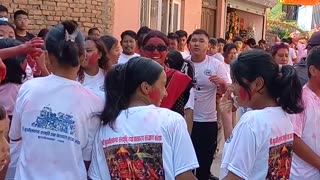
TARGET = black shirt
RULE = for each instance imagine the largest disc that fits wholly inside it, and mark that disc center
(302, 71)
(26, 38)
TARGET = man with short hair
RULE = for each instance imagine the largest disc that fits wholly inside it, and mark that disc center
(221, 43)
(183, 36)
(4, 14)
(173, 41)
(21, 20)
(210, 77)
(128, 44)
(306, 143)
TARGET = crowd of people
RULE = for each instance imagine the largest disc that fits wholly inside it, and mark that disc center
(155, 106)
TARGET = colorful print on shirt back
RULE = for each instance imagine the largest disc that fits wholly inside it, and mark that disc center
(280, 157)
(135, 158)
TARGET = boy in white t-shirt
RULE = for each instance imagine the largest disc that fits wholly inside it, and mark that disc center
(128, 44)
(210, 77)
(182, 43)
(306, 159)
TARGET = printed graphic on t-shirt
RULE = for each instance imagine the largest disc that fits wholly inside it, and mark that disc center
(136, 161)
(207, 72)
(102, 88)
(55, 127)
(280, 158)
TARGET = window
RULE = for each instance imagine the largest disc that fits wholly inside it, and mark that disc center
(163, 15)
(291, 12)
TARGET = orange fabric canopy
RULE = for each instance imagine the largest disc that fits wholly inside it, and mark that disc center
(300, 2)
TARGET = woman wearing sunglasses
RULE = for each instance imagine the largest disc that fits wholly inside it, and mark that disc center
(155, 47)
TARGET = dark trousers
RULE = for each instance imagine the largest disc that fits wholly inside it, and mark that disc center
(204, 139)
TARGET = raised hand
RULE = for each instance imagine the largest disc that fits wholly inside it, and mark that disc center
(33, 47)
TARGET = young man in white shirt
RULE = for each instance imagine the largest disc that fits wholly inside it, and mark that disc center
(213, 50)
(128, 44)
(210, 77)
(183, 36)
(306, 145)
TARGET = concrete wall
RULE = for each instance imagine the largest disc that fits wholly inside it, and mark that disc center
(126, 16)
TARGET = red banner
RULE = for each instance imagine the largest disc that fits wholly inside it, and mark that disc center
(300, 2)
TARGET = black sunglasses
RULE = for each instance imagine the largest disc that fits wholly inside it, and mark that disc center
(153, 48)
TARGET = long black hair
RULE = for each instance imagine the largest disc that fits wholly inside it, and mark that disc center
(122, 82)
(15, 72)
(281, 82)
(67, 51)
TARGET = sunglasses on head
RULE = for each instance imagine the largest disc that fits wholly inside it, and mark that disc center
(153, 48)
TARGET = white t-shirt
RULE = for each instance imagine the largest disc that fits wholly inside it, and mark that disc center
(95, 83)
(162, 147)
(260, 146)
(306, 126)
(292, 55)
(228, 69)
(205, 91)
(55, 117)
(185, 54)
(124, 58)
(190, 103)
(219, 57)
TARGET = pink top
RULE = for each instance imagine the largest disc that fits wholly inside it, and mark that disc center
(306, 126)
(8, 96)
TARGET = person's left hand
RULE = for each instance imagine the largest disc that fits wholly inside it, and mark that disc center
(216, 80)
(33, 47)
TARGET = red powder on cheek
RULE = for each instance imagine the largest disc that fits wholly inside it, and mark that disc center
(93, 59)
(243, 94)
(155, 97)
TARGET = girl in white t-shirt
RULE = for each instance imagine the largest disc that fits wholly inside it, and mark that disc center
(54, 116)
(93, 69)
(260, 146)
(137, 139)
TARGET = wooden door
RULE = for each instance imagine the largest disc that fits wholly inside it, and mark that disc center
(208, 20)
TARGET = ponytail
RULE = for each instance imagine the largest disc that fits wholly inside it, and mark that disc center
(66, 43)
(281, 82)
(288, 90)
(117, 100)
(122, 82)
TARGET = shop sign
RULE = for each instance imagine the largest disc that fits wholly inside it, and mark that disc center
(300, 2)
